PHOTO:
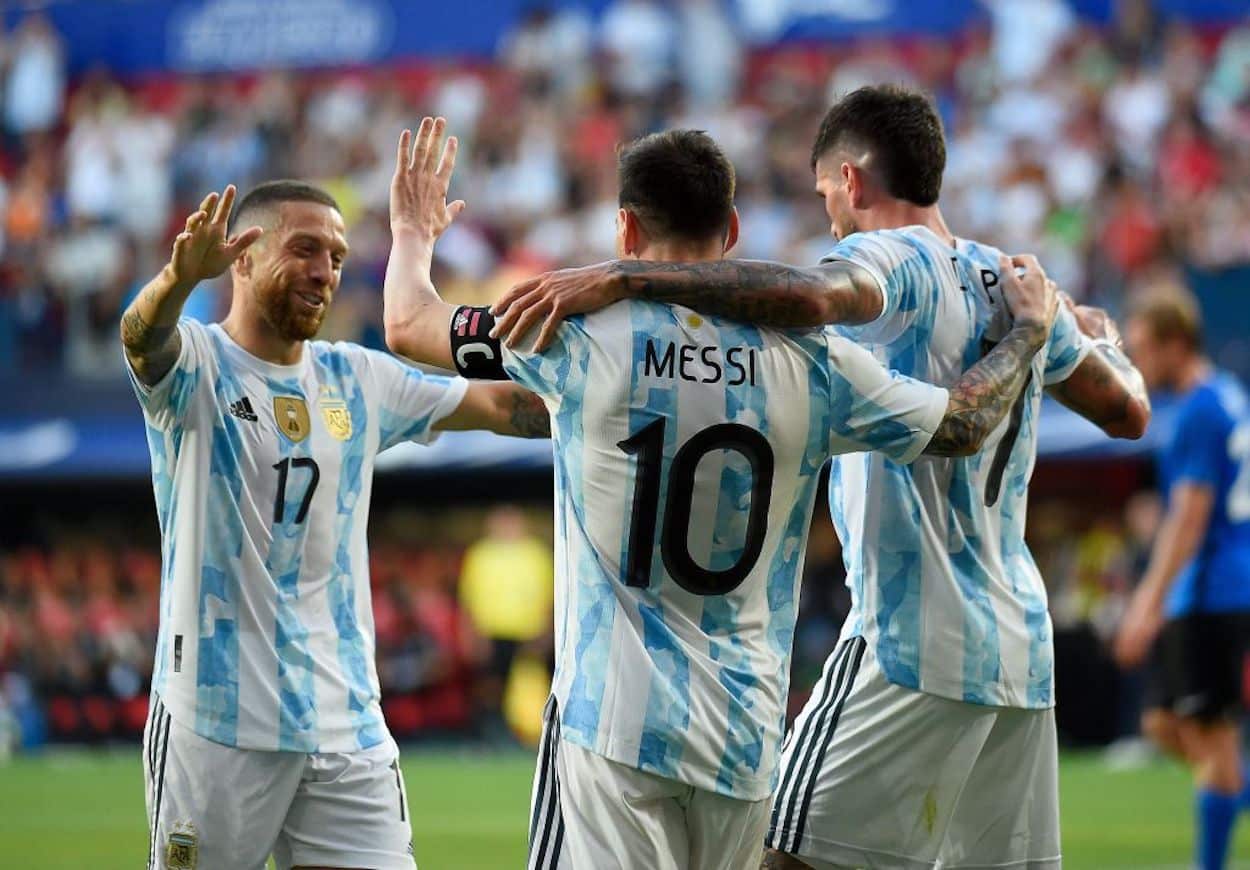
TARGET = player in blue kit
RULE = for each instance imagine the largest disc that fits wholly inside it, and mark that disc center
(688, 451)
(1193, 603)
(265, 733)
(931, 735)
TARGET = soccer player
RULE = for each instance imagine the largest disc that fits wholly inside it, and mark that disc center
(1195, 595)
(931, 733)
(688, 452)
(265, 732)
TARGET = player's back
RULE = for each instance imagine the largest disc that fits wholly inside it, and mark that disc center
(1211, 447)
(688, 451)
(941, 580)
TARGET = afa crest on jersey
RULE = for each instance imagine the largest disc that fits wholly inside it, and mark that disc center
(291, 414)
(337, 418)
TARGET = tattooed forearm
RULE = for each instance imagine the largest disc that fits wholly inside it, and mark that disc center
(151, 350)
(528, 415)
(759, 292)
(985, 393)
(1108, 390)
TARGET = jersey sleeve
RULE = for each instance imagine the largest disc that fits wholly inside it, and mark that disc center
(881, 257)
(1066, 348)
(409, 402)
(871, 408)
(558, 369)
(1199, 444)
(165, 403)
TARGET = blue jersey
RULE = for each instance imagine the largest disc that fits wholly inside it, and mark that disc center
(262, 475)
(1211, 447)
(942, 583)
(687, 455)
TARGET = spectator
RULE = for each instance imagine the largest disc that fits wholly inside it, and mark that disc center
(506, 587)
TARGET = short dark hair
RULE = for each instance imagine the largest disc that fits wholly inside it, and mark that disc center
(679, 184)
(265, 197)
(901, 129)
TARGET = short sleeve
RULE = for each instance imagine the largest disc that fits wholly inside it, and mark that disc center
(1066, 349)
(165, 403)
(552, 372)
(874, 409)
(881, 257)
(1199, 445)
(409, 401)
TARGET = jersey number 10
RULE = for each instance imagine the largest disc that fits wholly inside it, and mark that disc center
(648, 445)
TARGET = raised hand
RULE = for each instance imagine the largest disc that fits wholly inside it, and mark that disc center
(201, 250)
(552, 297)
(422, 175)
(1032, 298)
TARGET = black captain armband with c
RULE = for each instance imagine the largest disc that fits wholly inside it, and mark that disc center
(477, 356)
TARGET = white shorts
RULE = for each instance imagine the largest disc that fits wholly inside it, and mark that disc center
(875, 775)
(213, 806)
(590, 813)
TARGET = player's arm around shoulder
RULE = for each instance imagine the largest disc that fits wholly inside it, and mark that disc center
(1105, 387)
(985, 393)
(757, 292)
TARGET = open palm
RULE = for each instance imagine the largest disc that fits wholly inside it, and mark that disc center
(422, 175)
(202, 251)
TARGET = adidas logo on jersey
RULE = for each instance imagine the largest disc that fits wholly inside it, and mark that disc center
(243, 410)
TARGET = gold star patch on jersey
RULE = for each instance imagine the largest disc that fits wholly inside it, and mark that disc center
(337, 418)
(182, 851)
(291, 414)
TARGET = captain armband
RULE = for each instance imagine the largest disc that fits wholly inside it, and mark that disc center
(477, 356)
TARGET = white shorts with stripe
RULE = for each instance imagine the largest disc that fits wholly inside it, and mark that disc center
(591, 813)
(211, 805)
(875, 775)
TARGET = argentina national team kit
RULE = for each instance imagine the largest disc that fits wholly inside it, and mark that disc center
(936, 702)
(262, 475)
(687, 455)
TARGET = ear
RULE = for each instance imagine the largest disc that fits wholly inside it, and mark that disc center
(633, 237)
(242, 266)
(854, 178)
(731, 236)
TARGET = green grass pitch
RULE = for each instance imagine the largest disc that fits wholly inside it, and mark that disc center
(469, 810)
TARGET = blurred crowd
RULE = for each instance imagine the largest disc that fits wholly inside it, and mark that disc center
(1120, 154)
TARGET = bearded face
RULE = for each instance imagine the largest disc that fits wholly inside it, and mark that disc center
(293, 308)
(296, 268)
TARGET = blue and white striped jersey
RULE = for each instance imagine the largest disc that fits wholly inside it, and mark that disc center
(263, 475)
(942, 583)
(687, 455)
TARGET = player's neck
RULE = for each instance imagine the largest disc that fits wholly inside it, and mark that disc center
(260, 340)
(680, 252)
(892, 214)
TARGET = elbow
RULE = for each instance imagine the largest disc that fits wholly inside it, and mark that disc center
(398, 335)
(1132, 425)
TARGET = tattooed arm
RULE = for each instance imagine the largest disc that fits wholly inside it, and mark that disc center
(1105, 388)
(500, 407)
(750, 291)
(149, 326)
(982, 397)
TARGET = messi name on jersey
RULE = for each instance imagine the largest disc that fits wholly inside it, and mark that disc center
(708, 364)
